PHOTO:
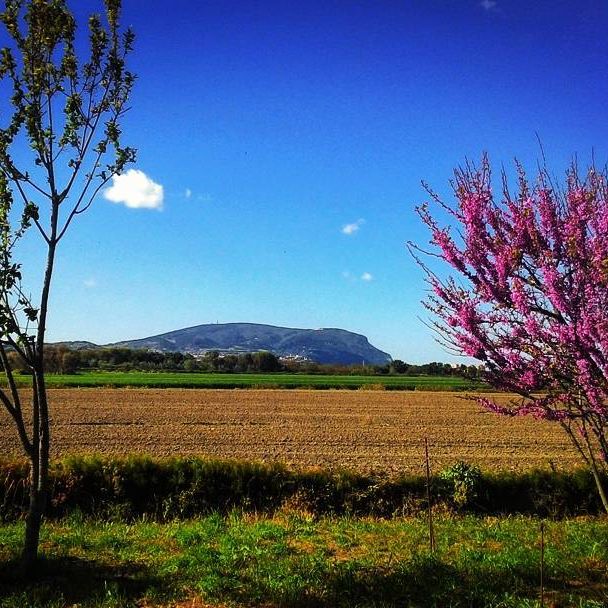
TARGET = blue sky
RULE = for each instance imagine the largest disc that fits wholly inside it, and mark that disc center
(272, 126)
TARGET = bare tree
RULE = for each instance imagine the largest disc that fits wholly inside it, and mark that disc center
(66, 114)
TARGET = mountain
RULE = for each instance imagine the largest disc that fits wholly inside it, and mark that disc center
(320, 345)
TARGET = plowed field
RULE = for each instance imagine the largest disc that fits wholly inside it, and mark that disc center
(362, 430)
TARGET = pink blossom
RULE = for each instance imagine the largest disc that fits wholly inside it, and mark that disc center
(530, 294)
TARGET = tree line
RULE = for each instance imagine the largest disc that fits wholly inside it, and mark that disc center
(64, 360)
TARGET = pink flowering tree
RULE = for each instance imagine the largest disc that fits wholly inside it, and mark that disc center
(527, 294)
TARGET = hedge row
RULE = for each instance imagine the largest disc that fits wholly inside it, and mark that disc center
(139, 486)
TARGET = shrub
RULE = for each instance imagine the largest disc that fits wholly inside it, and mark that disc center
(463, 482)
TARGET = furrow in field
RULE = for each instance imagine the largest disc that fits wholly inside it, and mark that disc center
(364, 430)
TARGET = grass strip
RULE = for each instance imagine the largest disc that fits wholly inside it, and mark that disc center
(277, 381)
(294, 559)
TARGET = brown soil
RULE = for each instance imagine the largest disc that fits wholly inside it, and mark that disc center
(362, 430)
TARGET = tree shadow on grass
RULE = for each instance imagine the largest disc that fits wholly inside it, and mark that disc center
(426, 582)
(75, 581)
(423, 583)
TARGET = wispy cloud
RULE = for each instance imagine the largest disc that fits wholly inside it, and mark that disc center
(349, 276)
(489, 5)
(350, 229)
(136, 190)
(191, 195)
(90, 283)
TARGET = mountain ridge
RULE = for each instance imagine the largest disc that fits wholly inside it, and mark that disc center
(323, 345)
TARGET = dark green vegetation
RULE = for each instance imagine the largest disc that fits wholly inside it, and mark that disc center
(296, 560)
(59, 359)
(162, 489)
(270, 380)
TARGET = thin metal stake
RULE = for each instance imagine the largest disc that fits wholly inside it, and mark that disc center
(542, 564)
(428, 496)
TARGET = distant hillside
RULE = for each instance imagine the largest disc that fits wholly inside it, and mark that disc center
(76, 344)
(320, 345)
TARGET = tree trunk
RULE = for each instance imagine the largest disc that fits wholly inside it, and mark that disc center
(587, 453)
(40, 421)
(33, 520)
(39, 473)
(600, 485)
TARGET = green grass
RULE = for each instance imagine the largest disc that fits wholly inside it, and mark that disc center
(295, 560)
(276, 380)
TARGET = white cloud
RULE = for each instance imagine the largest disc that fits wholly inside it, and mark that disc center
(488, 5)
(90, 283)
(188, 193)
(352, 228)
(367, 276)
(136, 190)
